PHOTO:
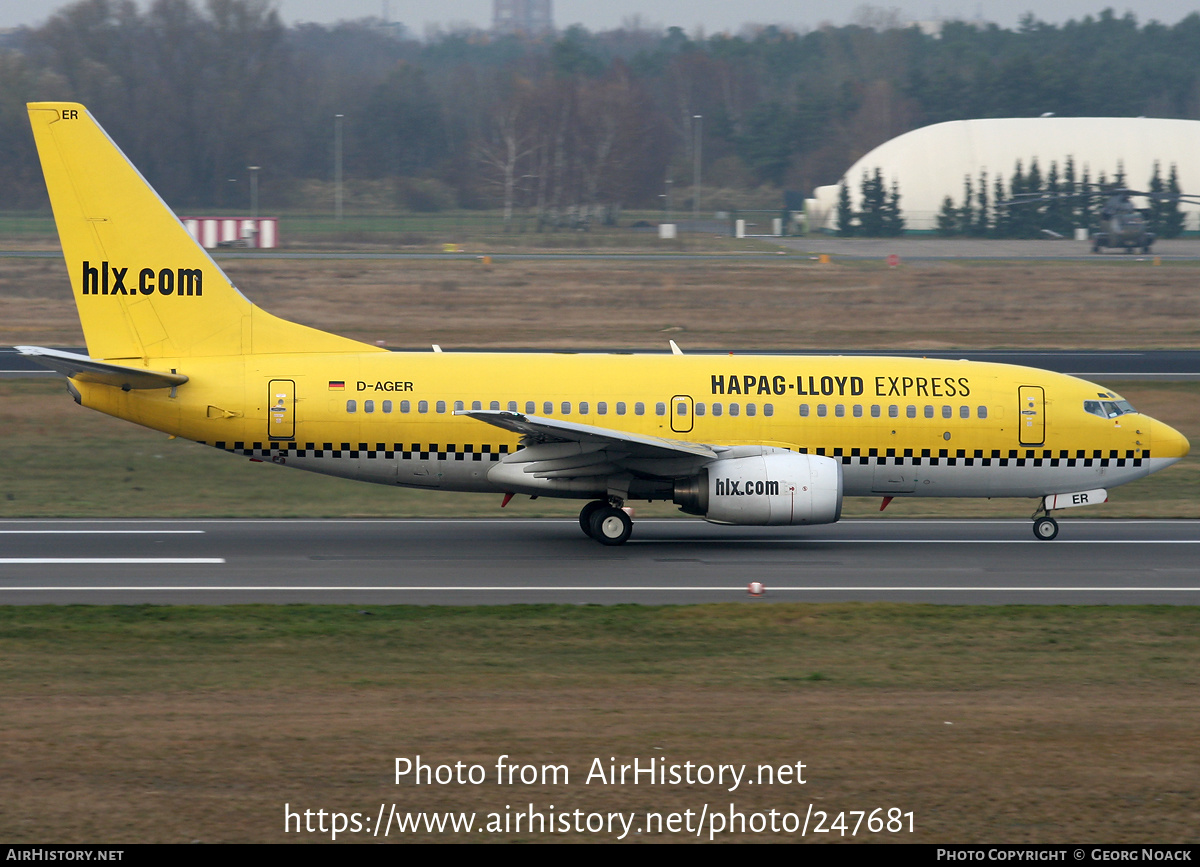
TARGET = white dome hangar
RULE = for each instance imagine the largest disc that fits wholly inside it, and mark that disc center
(930, 163)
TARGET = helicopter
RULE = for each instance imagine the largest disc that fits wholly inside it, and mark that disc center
(1122, 225)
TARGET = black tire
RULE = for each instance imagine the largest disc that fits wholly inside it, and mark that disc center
(611, 526)
(585, 516)
(1045, 529)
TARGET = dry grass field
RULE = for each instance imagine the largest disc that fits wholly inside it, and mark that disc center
(788, 303)
(990, 724)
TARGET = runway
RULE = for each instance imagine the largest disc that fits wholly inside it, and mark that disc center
(503, 561)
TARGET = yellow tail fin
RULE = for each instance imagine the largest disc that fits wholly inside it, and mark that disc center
(144, 288)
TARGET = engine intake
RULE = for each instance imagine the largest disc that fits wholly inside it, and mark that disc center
(776, 487)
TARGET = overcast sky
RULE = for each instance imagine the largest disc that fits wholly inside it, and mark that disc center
(712, 15)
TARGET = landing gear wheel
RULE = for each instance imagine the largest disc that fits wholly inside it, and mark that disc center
(610, 525)
(1045, 529)
(585, 516)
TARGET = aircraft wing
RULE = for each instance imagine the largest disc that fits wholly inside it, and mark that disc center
(563, 449)
(87, 369)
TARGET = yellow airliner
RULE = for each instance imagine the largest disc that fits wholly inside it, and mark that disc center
(174, 346)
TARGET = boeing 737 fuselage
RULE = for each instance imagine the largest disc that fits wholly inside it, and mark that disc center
(174, 346)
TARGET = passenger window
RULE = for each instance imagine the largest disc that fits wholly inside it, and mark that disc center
(620, 407)
(601, 408)
(387, 406)
(716, 409)
(351, 406)
(893, 411)
(583, 407)
(441, 406)
(495, 404)
(751, 409)
(639, 408)
(821, 410)
(405, 406)
(368, 406)
(768, 409)
(911, 412)
(566, 407)
(423, 406)
(928, 411)
(947, 412)
(858, 410)
(699, 409)
(530, 407)
(458, 405)
(547, 408)
(681, 408)
(964, 412)
(476, 405)
(983, 412)
(839, 411)
(804, 410)
(512, 406)
(734, 409)
(874, 410)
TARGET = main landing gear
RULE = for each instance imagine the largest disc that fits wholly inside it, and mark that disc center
(605, 522)
(1045, 528)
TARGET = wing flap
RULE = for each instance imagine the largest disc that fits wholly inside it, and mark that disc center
(535, 430)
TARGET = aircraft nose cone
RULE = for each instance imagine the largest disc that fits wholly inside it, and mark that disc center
(1167, 442)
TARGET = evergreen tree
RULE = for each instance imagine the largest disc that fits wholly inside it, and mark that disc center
(1158, 204)
(1000, 215)
(845, 213)
(966, 214)
(947, 219)
(1173, 220)
(1087, 207)
(983, 219)
(1069, 188)
(874, 196)
(1058, 217)
(893, 220)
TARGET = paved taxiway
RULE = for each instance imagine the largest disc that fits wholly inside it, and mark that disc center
(466, 562)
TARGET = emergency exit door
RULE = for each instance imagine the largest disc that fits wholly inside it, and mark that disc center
(1032, 414)
(281, 410)
(681, 413)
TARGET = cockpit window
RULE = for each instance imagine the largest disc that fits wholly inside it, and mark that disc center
(1108, 408)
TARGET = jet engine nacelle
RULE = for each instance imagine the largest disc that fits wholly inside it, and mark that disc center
(776, 487)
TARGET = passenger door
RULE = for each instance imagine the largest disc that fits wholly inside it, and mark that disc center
(1032, 409)
(681, 414)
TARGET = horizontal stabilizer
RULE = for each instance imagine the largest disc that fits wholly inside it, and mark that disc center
(90, 370)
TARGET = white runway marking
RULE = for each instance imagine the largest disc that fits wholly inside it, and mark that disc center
(584, 588)
(106, 561)
(809, 541)
(101, 532)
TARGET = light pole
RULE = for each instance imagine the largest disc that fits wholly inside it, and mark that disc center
(253, 190)
(699, 119)
(337, 167)
(668, 196)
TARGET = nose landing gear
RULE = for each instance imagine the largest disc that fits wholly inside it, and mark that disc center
(1045, 528)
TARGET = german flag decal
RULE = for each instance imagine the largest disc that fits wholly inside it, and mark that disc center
(337, 385)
